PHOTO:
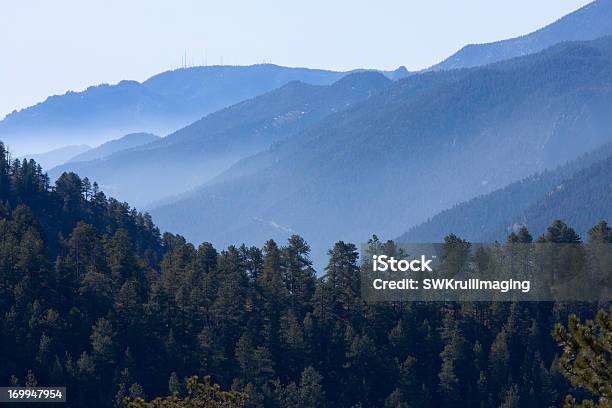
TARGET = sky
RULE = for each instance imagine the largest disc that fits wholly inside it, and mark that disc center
(50, 47)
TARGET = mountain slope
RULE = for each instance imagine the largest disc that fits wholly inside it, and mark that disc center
(422, 145)
(123, 143)
(494, 215)
(201, 150)
(58, 156)
(159, 105)
(588, 23)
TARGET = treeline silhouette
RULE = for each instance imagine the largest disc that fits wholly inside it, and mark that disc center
(94, 298)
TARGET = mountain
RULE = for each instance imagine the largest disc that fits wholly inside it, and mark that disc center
(106, 149)
(588, 23)
(198, 152)
(160, 104)
(578, 200)
(422, 145)
(534, 201)
(58, 156)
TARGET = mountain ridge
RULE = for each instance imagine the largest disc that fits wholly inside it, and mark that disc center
(590, 22)
(128, 141)
(160, 104)
(57, 157)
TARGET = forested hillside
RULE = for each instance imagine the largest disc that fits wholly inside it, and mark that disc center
(579, 200)
(92, 297)
(577, 192)
(422, 145)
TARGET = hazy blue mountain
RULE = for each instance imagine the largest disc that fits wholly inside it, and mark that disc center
(588, 23)
(59, 156)
(158, 105)
(198, 152)
(123, 143)
(424, 144)
(530, 201)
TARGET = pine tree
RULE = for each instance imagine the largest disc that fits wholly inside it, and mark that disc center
(121, 257)
(311, 392)
(210, 351)
(453, 357)
(499, 362)
(271, 279)
(560, 232)
(342, 278)
(587, 356)
(601, 233)
(5, 185)
(102, 336)
(255, 361)
(68, 187)
(298, 274)
(455, 255)
(511, 398)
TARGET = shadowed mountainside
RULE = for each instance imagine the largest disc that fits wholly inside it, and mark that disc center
(535, 202)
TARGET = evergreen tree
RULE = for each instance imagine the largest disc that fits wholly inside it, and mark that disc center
(102, 341)
(587, 356)
(601, 233)
(271, 279)
(5, 181)
(342, 277)
(511, 399)
(298, 274)
(311, 393)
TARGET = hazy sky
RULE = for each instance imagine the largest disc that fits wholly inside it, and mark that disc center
(49, 47)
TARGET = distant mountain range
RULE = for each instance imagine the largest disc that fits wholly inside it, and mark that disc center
(161, 104)
(200, 151)
(123, 143)
(85, 153)
(419, 146)
(588, 23)
(158, 105)
(273, 150)
(579, 192)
